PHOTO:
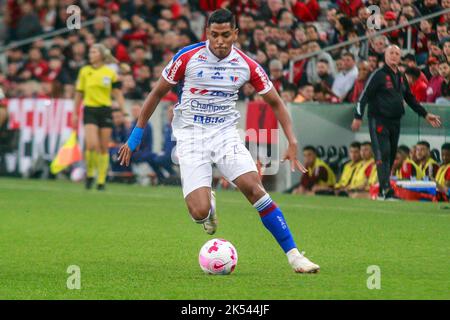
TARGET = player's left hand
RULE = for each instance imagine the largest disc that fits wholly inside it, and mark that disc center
(434, 120)
(124, 155)
(291, 155)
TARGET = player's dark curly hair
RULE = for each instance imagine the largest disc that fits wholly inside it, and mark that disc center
(222, 16)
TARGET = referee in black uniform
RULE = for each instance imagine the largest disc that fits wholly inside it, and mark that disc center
(384, 92)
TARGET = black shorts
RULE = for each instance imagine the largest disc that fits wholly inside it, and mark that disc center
(100, 116)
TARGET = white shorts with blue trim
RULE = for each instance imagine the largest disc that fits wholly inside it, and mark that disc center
(199, 148)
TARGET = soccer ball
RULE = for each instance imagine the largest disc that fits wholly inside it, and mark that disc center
(218, 256)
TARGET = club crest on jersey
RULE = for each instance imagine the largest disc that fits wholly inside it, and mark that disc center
(234, 78)
(200, 74)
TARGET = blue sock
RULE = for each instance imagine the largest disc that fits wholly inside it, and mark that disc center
(273, 220)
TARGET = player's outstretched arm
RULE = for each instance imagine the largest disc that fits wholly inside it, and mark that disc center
(279, 108)
(151, 102)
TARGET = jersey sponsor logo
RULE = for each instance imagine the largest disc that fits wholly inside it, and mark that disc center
(200, 74)
(174, 69)
(234, 61)
(234, 78)
(217, 76)
(206, 107)
(205, 92)
(262, 75)
(208, 120)
(202, 58)
(219, 68)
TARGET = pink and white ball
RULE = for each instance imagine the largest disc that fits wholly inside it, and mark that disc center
(218, 256)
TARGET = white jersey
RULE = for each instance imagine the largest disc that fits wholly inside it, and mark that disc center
(209, 86)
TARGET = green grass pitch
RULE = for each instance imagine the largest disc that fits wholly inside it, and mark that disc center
(132, 242)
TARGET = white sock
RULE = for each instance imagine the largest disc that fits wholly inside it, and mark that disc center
(261, 201)
(291, 254)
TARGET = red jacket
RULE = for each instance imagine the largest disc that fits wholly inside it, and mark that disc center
(434, 88)
(356, 91)
(39, 69)
(419, 90)
(121, 53)
(210, 5)
(350, 7)
(306, 12)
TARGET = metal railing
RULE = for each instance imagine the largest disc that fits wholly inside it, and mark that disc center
(366, 37)
(52, 34)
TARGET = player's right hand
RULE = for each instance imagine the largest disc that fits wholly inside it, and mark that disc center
(356, 124)
(124, 155)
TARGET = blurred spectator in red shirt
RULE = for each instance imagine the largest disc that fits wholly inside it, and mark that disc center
(349, 7)
(418, 86)
(363, 75)
(211, 5)
(36, 67)
(118, 50)
(139, 58)
(410, 62)
(305, 10)
(239, 7)
(435, 81)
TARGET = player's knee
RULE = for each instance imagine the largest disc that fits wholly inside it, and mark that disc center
(255, 192)
(199, 211)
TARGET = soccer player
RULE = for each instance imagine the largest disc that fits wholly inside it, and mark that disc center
(319, 179)
(209, 75)
(427, 164)
(96, 83)
(364, 175)
(443, 174)
(404, 168)
(349, 170)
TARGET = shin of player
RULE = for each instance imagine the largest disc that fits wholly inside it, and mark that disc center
(273, 219)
